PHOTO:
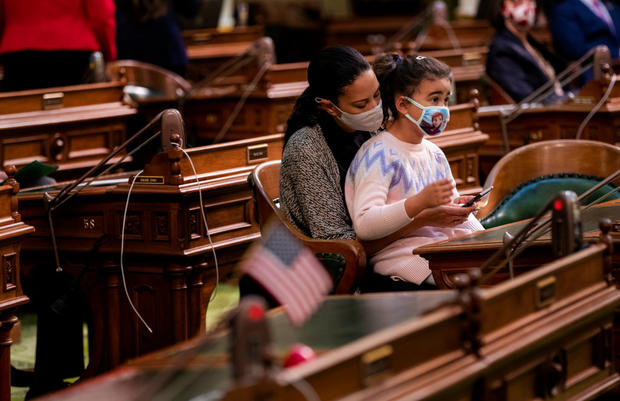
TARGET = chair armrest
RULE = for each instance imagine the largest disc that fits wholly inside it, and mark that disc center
(354, 256)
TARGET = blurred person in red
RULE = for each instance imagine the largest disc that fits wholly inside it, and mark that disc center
(47, 43)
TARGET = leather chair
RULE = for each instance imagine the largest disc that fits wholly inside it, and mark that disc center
(527, 178)
(345, 260)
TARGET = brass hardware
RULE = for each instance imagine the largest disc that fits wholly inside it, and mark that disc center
(376, 365)
(257, 153)
(535, 135)
(201, 37)
(470, 58)
(88, 223)
(211, 118)
(545, 291)
(52, 100)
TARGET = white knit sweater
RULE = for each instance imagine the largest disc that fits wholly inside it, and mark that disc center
(384, 173)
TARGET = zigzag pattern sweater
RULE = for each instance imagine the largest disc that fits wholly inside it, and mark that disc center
(384, 173)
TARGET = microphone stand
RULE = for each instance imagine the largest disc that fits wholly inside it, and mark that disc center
(171, 123)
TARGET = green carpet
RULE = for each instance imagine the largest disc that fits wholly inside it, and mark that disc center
(225, 298)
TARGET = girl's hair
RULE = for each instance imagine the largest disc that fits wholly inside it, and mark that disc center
(402, 76)
(329, 72)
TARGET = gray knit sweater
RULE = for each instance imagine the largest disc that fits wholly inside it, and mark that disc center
(310, 192)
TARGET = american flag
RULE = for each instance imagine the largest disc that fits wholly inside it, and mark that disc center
(289, 272)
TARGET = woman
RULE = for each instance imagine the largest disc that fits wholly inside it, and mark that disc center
(516, 61)
(331, 119)
(399, 182)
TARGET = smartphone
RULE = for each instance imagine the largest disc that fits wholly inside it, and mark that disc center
(478, 197)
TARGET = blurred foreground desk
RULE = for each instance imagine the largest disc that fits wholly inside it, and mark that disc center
(522, 340)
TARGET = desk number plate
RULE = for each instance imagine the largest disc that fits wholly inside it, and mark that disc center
(53, 100)
(545, 291)
(376, 365)
(257, 153)
(150, 179)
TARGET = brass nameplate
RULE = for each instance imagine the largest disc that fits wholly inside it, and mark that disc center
(470, 58)
(201, 37)
(257, 153)
(146, 179)
(52, 100)
(376, 365)
(545, 291)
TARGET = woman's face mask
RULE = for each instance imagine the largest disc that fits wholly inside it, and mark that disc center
(433, 119)
(521, 15)
(369, 120)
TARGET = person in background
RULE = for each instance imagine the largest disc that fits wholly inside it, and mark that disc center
(148, 31)
(49, 43)
(516, 61)
(580, 25)
(401, 183)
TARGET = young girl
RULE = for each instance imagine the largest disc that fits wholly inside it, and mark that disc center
(399, 182)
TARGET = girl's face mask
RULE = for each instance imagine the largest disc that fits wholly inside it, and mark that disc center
(433, 120)
(369, 120)
(521, 15)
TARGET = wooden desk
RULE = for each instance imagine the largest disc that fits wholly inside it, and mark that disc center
(452, 257)
(368, 34)
(72, 127)
(545, 123)
(168, 263)
(12, 233)
(513, 342)
(208, 48)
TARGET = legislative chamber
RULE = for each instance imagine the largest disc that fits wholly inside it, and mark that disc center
(135, 202)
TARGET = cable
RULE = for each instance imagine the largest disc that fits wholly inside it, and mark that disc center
(122, 250)
(597, 107)
(204, 218)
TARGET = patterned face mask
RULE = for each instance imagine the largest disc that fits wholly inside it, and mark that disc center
(433, 119)
(522, 15)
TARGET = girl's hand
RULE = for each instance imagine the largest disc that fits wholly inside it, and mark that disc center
(437, 193)
(445, 215)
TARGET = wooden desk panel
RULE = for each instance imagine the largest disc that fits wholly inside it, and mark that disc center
(12, 233)
(169, 265)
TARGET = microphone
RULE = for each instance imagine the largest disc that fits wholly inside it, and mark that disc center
(566, 230)
(567, 235)
(171, 131)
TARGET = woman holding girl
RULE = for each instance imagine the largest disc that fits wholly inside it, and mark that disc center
(399, 183)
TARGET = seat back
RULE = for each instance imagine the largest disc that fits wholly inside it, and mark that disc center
(152, 81)
(345, 260)
(495, 93)
(527, 177)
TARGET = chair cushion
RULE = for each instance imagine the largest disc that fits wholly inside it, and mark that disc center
(526, 200)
